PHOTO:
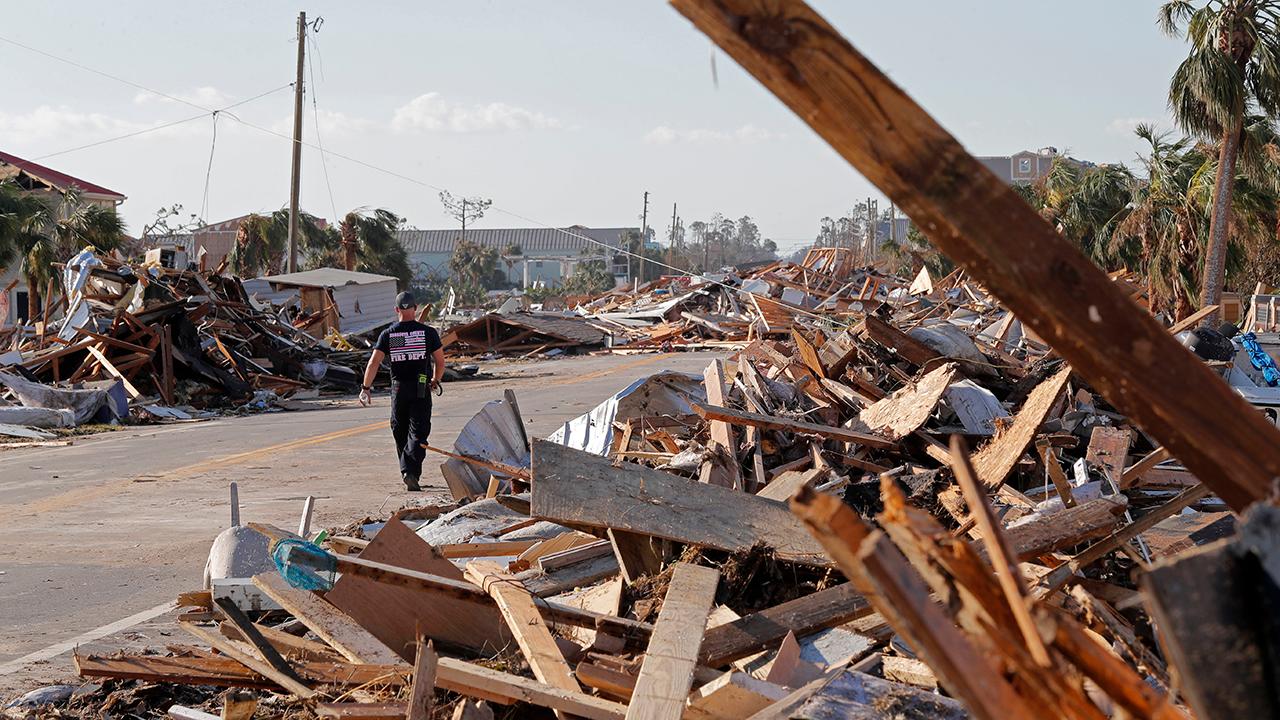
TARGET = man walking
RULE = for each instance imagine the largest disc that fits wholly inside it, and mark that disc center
(417, 364)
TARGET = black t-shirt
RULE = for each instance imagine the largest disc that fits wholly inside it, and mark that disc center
(408, 346)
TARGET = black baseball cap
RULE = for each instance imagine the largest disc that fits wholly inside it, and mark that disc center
(405, 300)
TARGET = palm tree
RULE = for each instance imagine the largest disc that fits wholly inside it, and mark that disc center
(1233, 67)
(43, 230)
(1166, 233)
(262, 242)
(369, 244)
(1086, 204)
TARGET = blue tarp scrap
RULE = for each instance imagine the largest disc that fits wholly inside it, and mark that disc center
(1260, 359)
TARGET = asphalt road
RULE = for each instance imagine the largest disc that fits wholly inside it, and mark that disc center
(97, 537)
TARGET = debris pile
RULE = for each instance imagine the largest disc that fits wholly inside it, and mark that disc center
(722, 310)
(168, 341)
(644, 560)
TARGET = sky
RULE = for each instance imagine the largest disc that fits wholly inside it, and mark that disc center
(561, 111)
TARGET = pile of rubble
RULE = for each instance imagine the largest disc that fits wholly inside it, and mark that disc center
(643, 560)
(166, 342)
(723, 310)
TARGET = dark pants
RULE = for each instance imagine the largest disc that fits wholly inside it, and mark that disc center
(410, 425)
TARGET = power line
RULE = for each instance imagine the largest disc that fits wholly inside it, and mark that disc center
(315, 110)
(618, 250)
(104, 74)
(208, 173)
(161, 126)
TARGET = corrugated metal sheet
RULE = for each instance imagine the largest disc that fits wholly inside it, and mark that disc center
(364, 307)
(327, 277)
(529, 239)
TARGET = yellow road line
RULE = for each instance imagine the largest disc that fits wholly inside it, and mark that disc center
(610, 371)
(292, 444)
(81, 496)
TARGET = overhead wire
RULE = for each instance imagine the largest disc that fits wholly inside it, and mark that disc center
(392, 173)
(161, 126)
(315, 111)
(208, 173)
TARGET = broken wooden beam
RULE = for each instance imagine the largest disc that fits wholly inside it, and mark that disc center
(666, 675)
(797, 426)
(578, 488)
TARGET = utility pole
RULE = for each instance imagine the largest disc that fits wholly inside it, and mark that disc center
(671, 245)
(464, 218)
(644, 232)
(295, 178)
(706, 253)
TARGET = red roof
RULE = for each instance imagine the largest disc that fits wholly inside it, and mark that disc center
(61, 181)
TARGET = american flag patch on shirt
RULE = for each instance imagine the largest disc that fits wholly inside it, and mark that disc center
(410, 345)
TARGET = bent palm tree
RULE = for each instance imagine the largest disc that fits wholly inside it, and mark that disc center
(262, 241)
(1233, 67)
(369, 244)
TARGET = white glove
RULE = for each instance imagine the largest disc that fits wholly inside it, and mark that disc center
(364, 397)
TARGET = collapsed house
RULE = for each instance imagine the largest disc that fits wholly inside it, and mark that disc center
(167, 343)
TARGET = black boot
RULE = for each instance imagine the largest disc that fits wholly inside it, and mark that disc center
(411, 483)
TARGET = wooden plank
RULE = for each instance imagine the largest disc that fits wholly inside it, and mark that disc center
(525, 623)
(880, 571)
(1190, 320)
(981, 223)
(111, 369)
(1059, 478)
(908, 408)
(1066, 528)
(225, 672)
(1003, 559)
(1135, 471)
(581, 553)
(501, 548)
(636, 554)
(786, 484)
(492, 465)
(732, 696)
(610, 681)
(1108, 450)
(250, 632)
(911, 349)
(996, 459)
(575, 487)
(363, 711)
(422, 692)
(723, 469)
(761, 630)
(666, 675)
(288, 681)
(797, 426)
(451, 674)
(557, 580)
(398, 616)
(290, 646)
(331, 624)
